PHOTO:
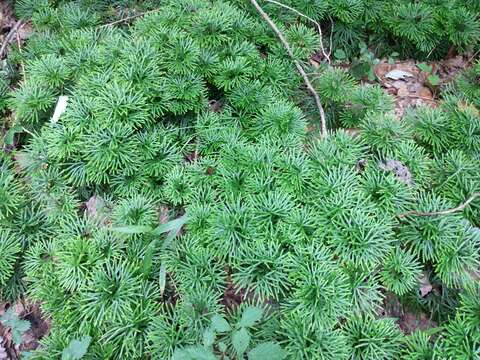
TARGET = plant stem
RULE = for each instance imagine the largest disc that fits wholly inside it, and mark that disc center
(442, 212)
(286, 45)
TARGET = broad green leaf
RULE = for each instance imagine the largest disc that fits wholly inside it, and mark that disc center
(162, 280)
(250, 316)
(10, 135)
(132, 229)
(220, 324)
(425, 67)
(240, 341)
(268, 350)
(193, 353)
(76, 349)
(172, 225)
(434, 80)
(208, 337)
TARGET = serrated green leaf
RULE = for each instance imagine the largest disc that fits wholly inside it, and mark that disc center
(76, 349)
(220, 324)
(240, 341)
(268, 350)
(250, 316)
(208, 337)
(132, 229)
(17, 337)
(17, 325)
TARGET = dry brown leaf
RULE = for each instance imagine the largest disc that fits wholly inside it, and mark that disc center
(401, 171)
(425, 286)
(425, 92)
(163, 216)
(403, 91)
(397, 74)
(468, 107)
(411, 322)
(95, 207)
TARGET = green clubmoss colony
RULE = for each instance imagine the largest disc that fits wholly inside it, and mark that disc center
(195, 110)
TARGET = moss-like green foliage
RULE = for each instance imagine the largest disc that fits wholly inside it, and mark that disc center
(195, 110)
(419, 29)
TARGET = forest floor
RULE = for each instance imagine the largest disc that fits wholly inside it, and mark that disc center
(408, 81)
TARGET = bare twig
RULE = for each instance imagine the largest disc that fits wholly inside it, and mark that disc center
(9, 37)
(471, 58)
(264, 15)
(127, 19)
(442, 212)
(331, 37)
(22, 66)
(325, 54)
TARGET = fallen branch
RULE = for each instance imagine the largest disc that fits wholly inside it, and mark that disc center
(264, 15)
(325, 54)
(9, 37)
(127, 19)
(442, 212)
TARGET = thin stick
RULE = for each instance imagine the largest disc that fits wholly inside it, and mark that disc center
(442, 212)
(325, 54)
(127, 19)
(264, 15)
(9, 37)
(331, 37)
(472, 58)
(20, 50)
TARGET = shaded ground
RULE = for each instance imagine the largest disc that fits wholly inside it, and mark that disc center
(410, 86)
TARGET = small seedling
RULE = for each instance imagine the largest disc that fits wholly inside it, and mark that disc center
(364, 65)
(433, 79)
(16, 325)
(240, 336)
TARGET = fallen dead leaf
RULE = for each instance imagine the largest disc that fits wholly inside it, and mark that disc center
(397, 74)
(401, 171)
(354, 132)
(163, 215)
(411, 322)
(95, 206)
(425, 92)
(425, 286)
(468, 107)
(406, 83)
(381, 69)
(403, 91)
(398, 84)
